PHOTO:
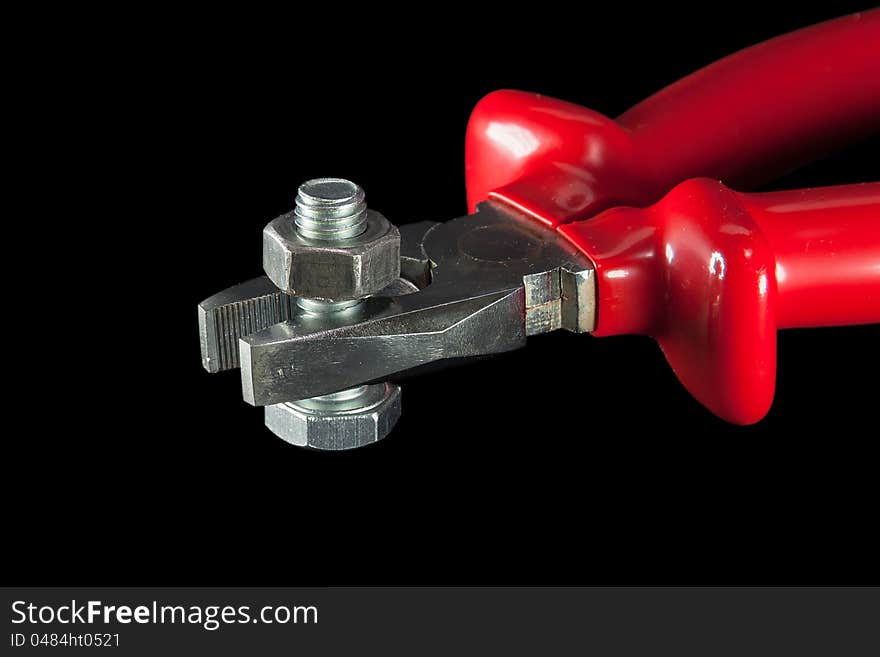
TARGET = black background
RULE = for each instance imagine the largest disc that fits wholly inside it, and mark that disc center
(576, 460)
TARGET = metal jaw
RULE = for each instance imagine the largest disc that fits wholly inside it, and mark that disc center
(486, 281)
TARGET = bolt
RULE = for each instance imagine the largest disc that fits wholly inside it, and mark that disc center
(331, 246)
(330, 209)
(334, 209)
(332, 424)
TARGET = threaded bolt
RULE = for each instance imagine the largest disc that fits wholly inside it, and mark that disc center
(330, 209)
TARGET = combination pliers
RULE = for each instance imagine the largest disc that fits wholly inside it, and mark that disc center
(590, 224)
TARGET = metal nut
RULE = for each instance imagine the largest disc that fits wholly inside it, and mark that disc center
(332, 429)
(332, 271)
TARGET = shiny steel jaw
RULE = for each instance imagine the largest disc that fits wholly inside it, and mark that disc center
(493, 280)
(487, 281)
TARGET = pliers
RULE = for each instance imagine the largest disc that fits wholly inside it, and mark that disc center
(599, 225)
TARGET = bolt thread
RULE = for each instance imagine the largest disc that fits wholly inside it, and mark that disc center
(344, 395)
(321, 307)
(330, 209)
(344, 400)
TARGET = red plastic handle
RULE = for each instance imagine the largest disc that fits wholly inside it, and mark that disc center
(744, 119)
(712, 273)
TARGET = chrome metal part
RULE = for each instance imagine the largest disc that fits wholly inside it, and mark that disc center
(332, 269)
(330, 209)
(337, 253)
(349, 418)
(491, 279)
(343, 420)
(310, 356)
(248, 307)
(234, 313)
(578, 297)
(476, 285)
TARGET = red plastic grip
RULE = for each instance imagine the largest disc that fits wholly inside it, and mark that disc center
(712, 273)
(744, 119)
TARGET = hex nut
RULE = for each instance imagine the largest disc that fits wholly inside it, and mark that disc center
(332, 270)
(335, 430)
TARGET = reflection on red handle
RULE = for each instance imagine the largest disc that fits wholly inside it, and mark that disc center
(712, 273)
(744, 119)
